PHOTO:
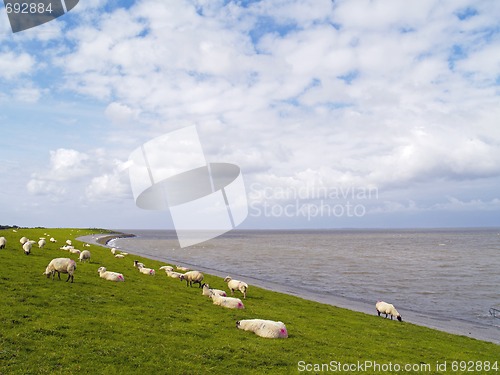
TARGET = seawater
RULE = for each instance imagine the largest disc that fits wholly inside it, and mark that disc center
(452, 273)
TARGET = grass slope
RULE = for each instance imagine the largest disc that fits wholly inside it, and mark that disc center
(158, 325)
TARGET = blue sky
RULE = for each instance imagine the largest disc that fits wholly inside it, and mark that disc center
(340, 114)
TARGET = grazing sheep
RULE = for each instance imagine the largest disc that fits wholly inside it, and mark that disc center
(236, 285)
(192, 277)
(138, 264)
(3, 242)
(167, 268)
(173, 274)
(387, 309)
(207, 291)
(27, 247)
(23, 240)
(264, 328)
(184, 269)
(108, 275)
(64, 265)
(84, 256)
(119, 256)
(228, 302)
(41, 243)
(53, 240)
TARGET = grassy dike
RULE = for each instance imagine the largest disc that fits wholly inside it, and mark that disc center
(157, 325)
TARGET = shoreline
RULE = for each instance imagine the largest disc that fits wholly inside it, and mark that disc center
(475, 330)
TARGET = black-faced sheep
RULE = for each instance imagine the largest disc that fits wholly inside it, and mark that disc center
(387, 309)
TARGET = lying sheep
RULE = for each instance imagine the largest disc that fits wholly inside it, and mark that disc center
(147, 271)
(387, 309)
(41, 243)
(108, 275)
(173, 274)
(264, 328)
(84, 256)
(64, 265)
(192, 277)
(207, 291)
(228, 302)
(138, 264)
(3, 242)
(236, 285)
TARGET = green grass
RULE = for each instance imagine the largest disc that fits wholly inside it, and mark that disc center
(157, 325)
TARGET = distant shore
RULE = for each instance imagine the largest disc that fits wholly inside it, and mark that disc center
(475, 330)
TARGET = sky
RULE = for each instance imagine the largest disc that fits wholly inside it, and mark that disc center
(340, 114)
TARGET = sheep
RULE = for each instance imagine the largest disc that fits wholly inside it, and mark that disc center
(41, 243)
(64, 265)
(236, 285)
(167, 268)
(84, 256)
(138, 264)
(207, 291)
(53, 240)
(23, 240)
(228, 302)
(173, 274)
(108, 275)
(3, 242)
(192, 277)
(387, 309)
(27, 247)
(147, 271)
(264, 328)
(184, 269)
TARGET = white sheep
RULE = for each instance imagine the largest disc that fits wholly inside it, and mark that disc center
(228, 302)
(207, 291)
(41, 243)
(192, 277)
(147, 271)
(23, 240)
(64, 265)
(173, 274)
(236, 285)
(3, 242)
(138, 264)
(264, 328)
(27, 246)
(108, 275)
(184, 269)
(84, 256)
(387, 309)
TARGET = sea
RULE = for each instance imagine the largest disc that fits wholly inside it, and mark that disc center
(448, 274)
